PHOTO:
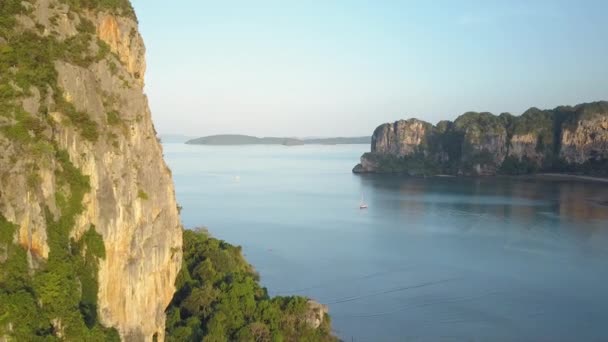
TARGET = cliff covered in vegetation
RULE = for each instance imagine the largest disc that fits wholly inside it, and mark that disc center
(564, 139)
(90, 236)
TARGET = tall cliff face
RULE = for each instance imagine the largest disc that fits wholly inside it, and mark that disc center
(402, 138)
(81, 159)
(584, 134)
(484, 142)
(565, 139)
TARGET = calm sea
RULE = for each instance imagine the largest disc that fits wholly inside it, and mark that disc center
(430, 259)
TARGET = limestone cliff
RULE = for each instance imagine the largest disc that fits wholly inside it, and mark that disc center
(565, 139)
(81, 159)
(584, 133)
(401, 138)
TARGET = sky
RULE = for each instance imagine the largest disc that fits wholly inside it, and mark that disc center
(343, 67)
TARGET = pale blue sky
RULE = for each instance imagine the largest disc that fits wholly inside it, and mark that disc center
(329, 68)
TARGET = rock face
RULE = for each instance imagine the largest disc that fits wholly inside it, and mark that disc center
(565, 139)
(402, 138)
(584, 135)
(484, 142)
(316, 314)
(123, 38)
(85, 98)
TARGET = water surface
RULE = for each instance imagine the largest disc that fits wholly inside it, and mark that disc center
(434, 258)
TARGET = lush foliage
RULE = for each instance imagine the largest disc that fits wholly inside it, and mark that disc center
(587, 111)
(479, 122)
(534, 121)
(514, 166)
(28, 61)
(483, 158)
(60, 297)
(591, 167)
(218, 299)
(451, 141)
(414, 165)
(120, 7)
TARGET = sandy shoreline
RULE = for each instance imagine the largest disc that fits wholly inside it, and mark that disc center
(570, 177)
(540, 176)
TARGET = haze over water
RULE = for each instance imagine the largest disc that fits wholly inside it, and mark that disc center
(431, 258)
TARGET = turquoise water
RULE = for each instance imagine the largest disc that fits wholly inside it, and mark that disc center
(434, 258)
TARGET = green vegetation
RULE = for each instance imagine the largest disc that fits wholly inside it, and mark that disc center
(450, 142)
(415, 165)
(142, 195)
(513, 166)
(479, 122)
(119, 7)
(8, 10)
(538, 123)
(60, 297)
(29, 60)
(218, 299)
(54, 298)
(532, 144)
(586, 111)
(25, 129)
(113, 118)
(477, 130)
(83, 123)
(591, 167)
(483, 158)
(7, 231)
(534, 120)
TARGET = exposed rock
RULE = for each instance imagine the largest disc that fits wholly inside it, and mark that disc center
(565, 139)
(367, 165)
(32, 104)
(316, 314)
(532, 136)
(142, 236)
(109, 137)
(122, 36)
(525, 145)
(23, 206)
(484, 144)
(54, 17)
(402, 138)
(585, 136)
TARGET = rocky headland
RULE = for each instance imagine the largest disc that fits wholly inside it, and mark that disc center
(561, 140)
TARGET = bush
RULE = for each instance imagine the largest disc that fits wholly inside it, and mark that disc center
(514, 166)
(142, 195)
(218, 299)
(416, 164)
(81, 120)
(113, 118)
(119, 7)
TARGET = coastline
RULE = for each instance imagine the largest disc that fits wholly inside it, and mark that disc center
(537, 176)
(570, 177)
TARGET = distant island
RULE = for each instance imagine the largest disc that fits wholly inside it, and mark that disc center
(237, 139)
(566, 140)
